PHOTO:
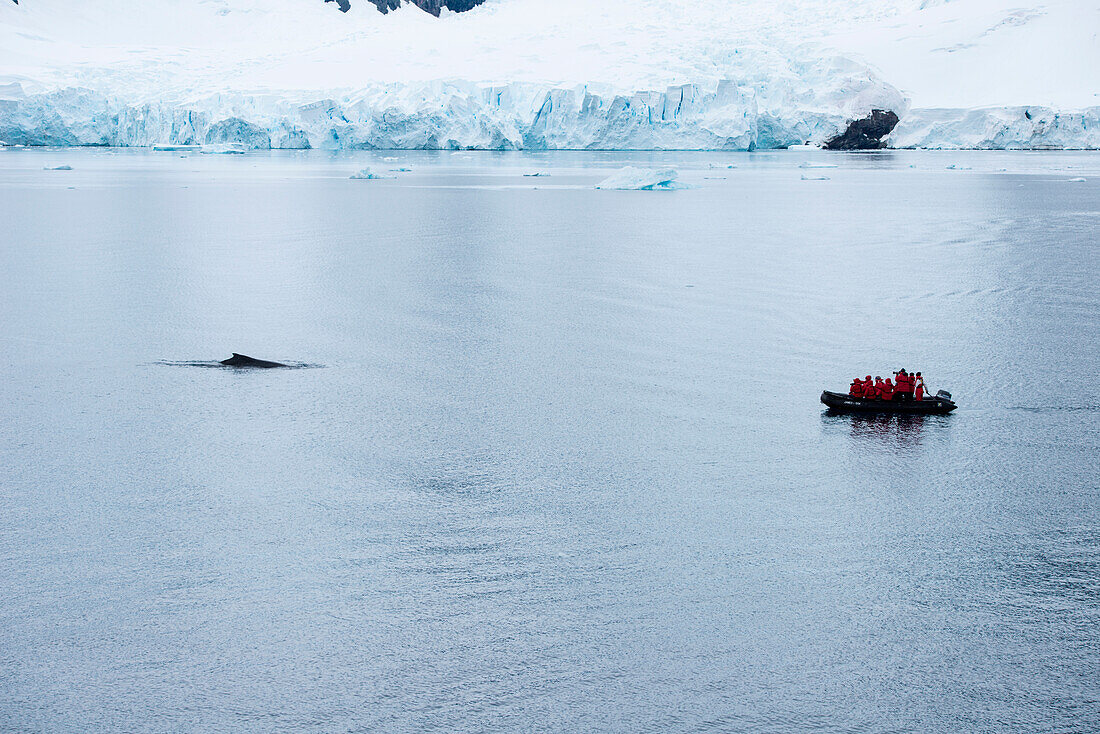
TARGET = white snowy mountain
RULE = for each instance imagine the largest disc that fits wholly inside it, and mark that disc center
(613, 74)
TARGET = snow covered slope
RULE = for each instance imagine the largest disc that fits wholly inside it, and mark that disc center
(548, 73)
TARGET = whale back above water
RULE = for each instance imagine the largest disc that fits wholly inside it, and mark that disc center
(243, 360)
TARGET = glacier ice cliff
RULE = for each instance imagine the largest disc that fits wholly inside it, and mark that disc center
(999, 128)
(826, 108)
(815, 104)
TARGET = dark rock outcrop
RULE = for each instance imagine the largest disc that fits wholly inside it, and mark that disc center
(435, 6)
(866, 133)
(431, 6)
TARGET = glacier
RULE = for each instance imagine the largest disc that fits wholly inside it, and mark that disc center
(999, 128)
(235, 75)
(812, 106)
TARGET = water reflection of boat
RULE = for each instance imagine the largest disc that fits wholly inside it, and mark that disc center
(902, 432)
(941, 404)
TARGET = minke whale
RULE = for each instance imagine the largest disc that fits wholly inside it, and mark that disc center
(243, 360)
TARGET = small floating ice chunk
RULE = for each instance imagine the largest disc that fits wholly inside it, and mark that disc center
(365, 174)
(815, 164)
(1076, 180)
(58, 168)
(176, 147)
(642, 179)
(224, 149)
(536, 174)
(400, 170)
(390, 158)
(804, 177)
(958, 167)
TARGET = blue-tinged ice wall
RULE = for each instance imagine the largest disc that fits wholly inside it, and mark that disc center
(449, 115)
(457, 115)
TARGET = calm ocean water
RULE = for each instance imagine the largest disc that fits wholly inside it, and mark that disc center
(560, 464)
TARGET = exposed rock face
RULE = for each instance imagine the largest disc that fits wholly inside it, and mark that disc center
(432, 6)
(457, 6)
(865, 134)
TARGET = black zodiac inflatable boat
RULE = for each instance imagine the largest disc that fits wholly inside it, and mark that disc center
(941, 404)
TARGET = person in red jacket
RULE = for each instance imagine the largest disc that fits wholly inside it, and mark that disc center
(868, 388)
(918, 389)
(901, 389)
(887, 389)
(856, 388)
(876, 391)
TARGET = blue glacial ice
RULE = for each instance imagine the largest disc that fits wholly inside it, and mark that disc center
(630, 178)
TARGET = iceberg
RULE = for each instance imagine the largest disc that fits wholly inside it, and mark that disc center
(804, 177)
(223, 149)
(814, 164)
(630, 178)
(365, 174)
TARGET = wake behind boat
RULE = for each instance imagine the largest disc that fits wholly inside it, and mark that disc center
(941, 404)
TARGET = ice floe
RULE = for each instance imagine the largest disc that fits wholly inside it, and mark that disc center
(630, 178)
(365, 174)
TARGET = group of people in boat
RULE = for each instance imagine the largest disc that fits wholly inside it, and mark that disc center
(904, 387)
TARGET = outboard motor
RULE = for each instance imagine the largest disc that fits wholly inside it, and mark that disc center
(943, 395)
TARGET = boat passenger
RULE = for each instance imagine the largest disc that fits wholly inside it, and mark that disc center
(918, 390)
(887, 389)
(876, 391)
(868, 388)
(856, 388)
(901, 390)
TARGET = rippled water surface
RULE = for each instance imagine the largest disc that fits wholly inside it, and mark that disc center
(560, 464)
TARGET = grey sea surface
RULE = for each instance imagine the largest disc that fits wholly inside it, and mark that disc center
(559, 462)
